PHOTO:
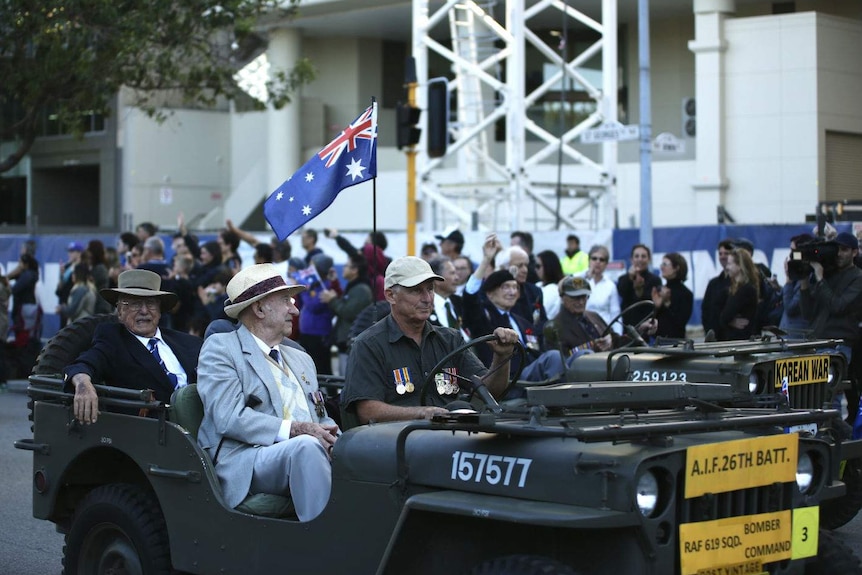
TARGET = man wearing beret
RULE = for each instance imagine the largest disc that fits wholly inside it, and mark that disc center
(390, 360)
(490, 300)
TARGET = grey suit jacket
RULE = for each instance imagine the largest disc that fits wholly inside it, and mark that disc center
(231, 369)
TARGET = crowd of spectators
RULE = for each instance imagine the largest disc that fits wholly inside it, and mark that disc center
(741, 300)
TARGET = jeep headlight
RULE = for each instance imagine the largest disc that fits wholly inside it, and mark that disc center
(647, 493)
(832, 374)
(804, 472)
(753, 382)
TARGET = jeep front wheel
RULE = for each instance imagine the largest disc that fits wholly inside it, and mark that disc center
(522, 565)
(833, 556)
(835, 513)
(117, 530)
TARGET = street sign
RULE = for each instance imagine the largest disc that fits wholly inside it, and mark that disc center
(668, 143)
(610, 132)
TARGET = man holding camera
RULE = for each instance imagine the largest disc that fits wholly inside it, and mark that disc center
(830, 304)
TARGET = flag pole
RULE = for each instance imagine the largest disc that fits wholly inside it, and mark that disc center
(372, 265)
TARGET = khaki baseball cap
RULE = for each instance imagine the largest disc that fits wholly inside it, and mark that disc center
(409, 271)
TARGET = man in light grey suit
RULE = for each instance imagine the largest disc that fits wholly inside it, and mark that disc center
(265, 425)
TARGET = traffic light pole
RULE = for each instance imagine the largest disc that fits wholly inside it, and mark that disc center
(411, 180)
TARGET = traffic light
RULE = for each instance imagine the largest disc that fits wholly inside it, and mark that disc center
(438, 117)
(689, 122)
(407, 117)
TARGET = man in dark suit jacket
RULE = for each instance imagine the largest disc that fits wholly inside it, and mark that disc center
(134, 353)
(483, 316)
(448, 307)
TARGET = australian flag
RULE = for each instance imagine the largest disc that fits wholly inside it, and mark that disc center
(349, 159)
(308, 276)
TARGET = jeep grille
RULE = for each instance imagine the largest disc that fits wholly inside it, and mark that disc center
(767, 499)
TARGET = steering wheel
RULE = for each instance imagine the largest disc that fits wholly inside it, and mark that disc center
(638, 304)
(426, 384)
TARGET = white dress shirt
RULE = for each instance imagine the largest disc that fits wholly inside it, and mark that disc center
(605, 301)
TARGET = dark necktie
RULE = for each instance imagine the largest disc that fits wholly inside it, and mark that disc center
(453, 320)
(154, 349)
(273, 353)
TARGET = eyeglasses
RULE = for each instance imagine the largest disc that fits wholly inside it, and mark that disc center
(665, 264)
(598, 259)
(138, 304)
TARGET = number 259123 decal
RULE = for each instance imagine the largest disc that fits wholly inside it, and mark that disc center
(491, 469)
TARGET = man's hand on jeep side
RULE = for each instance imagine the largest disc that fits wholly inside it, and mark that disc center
(86, 403)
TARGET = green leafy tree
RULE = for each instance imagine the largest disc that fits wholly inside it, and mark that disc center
(72, 57)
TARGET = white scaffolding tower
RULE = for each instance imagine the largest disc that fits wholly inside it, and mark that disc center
(523, 184)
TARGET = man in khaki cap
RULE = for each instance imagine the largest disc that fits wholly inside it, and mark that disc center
(389, 361)
(134, 352)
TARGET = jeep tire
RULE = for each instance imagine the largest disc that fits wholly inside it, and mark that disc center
(117, 528)
(835, 513)
(68, 343)
(522, 565)
(833, 556)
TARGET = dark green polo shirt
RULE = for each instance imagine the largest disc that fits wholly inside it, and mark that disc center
(382, 358)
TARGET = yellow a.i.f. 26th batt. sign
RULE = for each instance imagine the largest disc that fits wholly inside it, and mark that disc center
(740, 464)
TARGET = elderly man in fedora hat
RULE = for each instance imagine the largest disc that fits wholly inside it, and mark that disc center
(265, 425)
(134, 352)
(388, 361)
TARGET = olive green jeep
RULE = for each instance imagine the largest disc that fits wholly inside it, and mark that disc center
(581, 474)
(591, 478)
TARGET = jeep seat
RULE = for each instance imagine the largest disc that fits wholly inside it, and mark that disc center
(187, 410)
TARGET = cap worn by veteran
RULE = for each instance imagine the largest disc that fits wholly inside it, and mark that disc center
(847, 240)
(409, 271)
(574, 287)
(497, 279)
(140, 283)
(252, 284)
(74, 247)
(455, 236)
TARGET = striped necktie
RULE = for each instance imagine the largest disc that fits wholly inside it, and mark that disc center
(153, 346)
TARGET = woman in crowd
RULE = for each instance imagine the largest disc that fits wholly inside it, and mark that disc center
(82, 298)
(356, 297)
(637, 285)
(739, 308)
(550, 273)
(95, 255)
(228, 243)
(604, 298)
(674, 301)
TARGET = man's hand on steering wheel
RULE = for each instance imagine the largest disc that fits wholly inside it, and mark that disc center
(506, 338)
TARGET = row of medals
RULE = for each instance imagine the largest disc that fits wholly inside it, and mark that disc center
(445, 385)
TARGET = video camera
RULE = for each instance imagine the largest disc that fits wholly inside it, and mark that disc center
(818, 250)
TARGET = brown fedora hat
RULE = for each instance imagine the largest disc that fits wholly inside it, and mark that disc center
(140, 283)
